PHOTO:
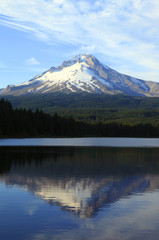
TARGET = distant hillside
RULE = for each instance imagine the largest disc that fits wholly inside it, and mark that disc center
(93, 107)
(52, 101)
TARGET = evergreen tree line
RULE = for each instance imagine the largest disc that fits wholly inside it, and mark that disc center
(26, 123)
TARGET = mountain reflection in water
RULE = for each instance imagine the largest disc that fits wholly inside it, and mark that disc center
(81, 180)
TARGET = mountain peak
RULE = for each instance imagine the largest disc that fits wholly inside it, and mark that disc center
(83, 56)
(84, 73)
(77, 59)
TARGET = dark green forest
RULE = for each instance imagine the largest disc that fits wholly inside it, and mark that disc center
(19, 122)
(93, 108)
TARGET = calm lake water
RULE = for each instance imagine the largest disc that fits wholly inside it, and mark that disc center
(85, 142)
(83, 193)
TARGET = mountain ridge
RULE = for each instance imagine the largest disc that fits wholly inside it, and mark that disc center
(84, 73)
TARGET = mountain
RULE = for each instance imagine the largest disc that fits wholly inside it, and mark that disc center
(84, 73)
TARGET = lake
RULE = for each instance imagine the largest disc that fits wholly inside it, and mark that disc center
(78, 192)
(85, 142)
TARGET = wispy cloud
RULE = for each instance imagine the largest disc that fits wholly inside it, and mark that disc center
(127, 30)
(32, 61)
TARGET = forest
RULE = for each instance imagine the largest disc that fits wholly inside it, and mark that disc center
(19, 122)
(93, 108)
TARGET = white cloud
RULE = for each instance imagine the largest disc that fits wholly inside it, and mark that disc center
(84, 6)
(32, 61)
(123, 29)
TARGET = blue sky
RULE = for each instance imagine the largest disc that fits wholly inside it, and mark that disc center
(38, 34)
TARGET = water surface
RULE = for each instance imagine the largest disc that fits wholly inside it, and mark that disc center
(79, 193)
(86, 142)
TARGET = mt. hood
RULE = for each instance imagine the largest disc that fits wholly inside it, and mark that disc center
(84, 73)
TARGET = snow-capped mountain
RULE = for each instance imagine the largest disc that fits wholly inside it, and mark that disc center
(84, 73)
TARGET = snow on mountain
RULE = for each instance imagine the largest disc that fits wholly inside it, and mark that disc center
(84, 73)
